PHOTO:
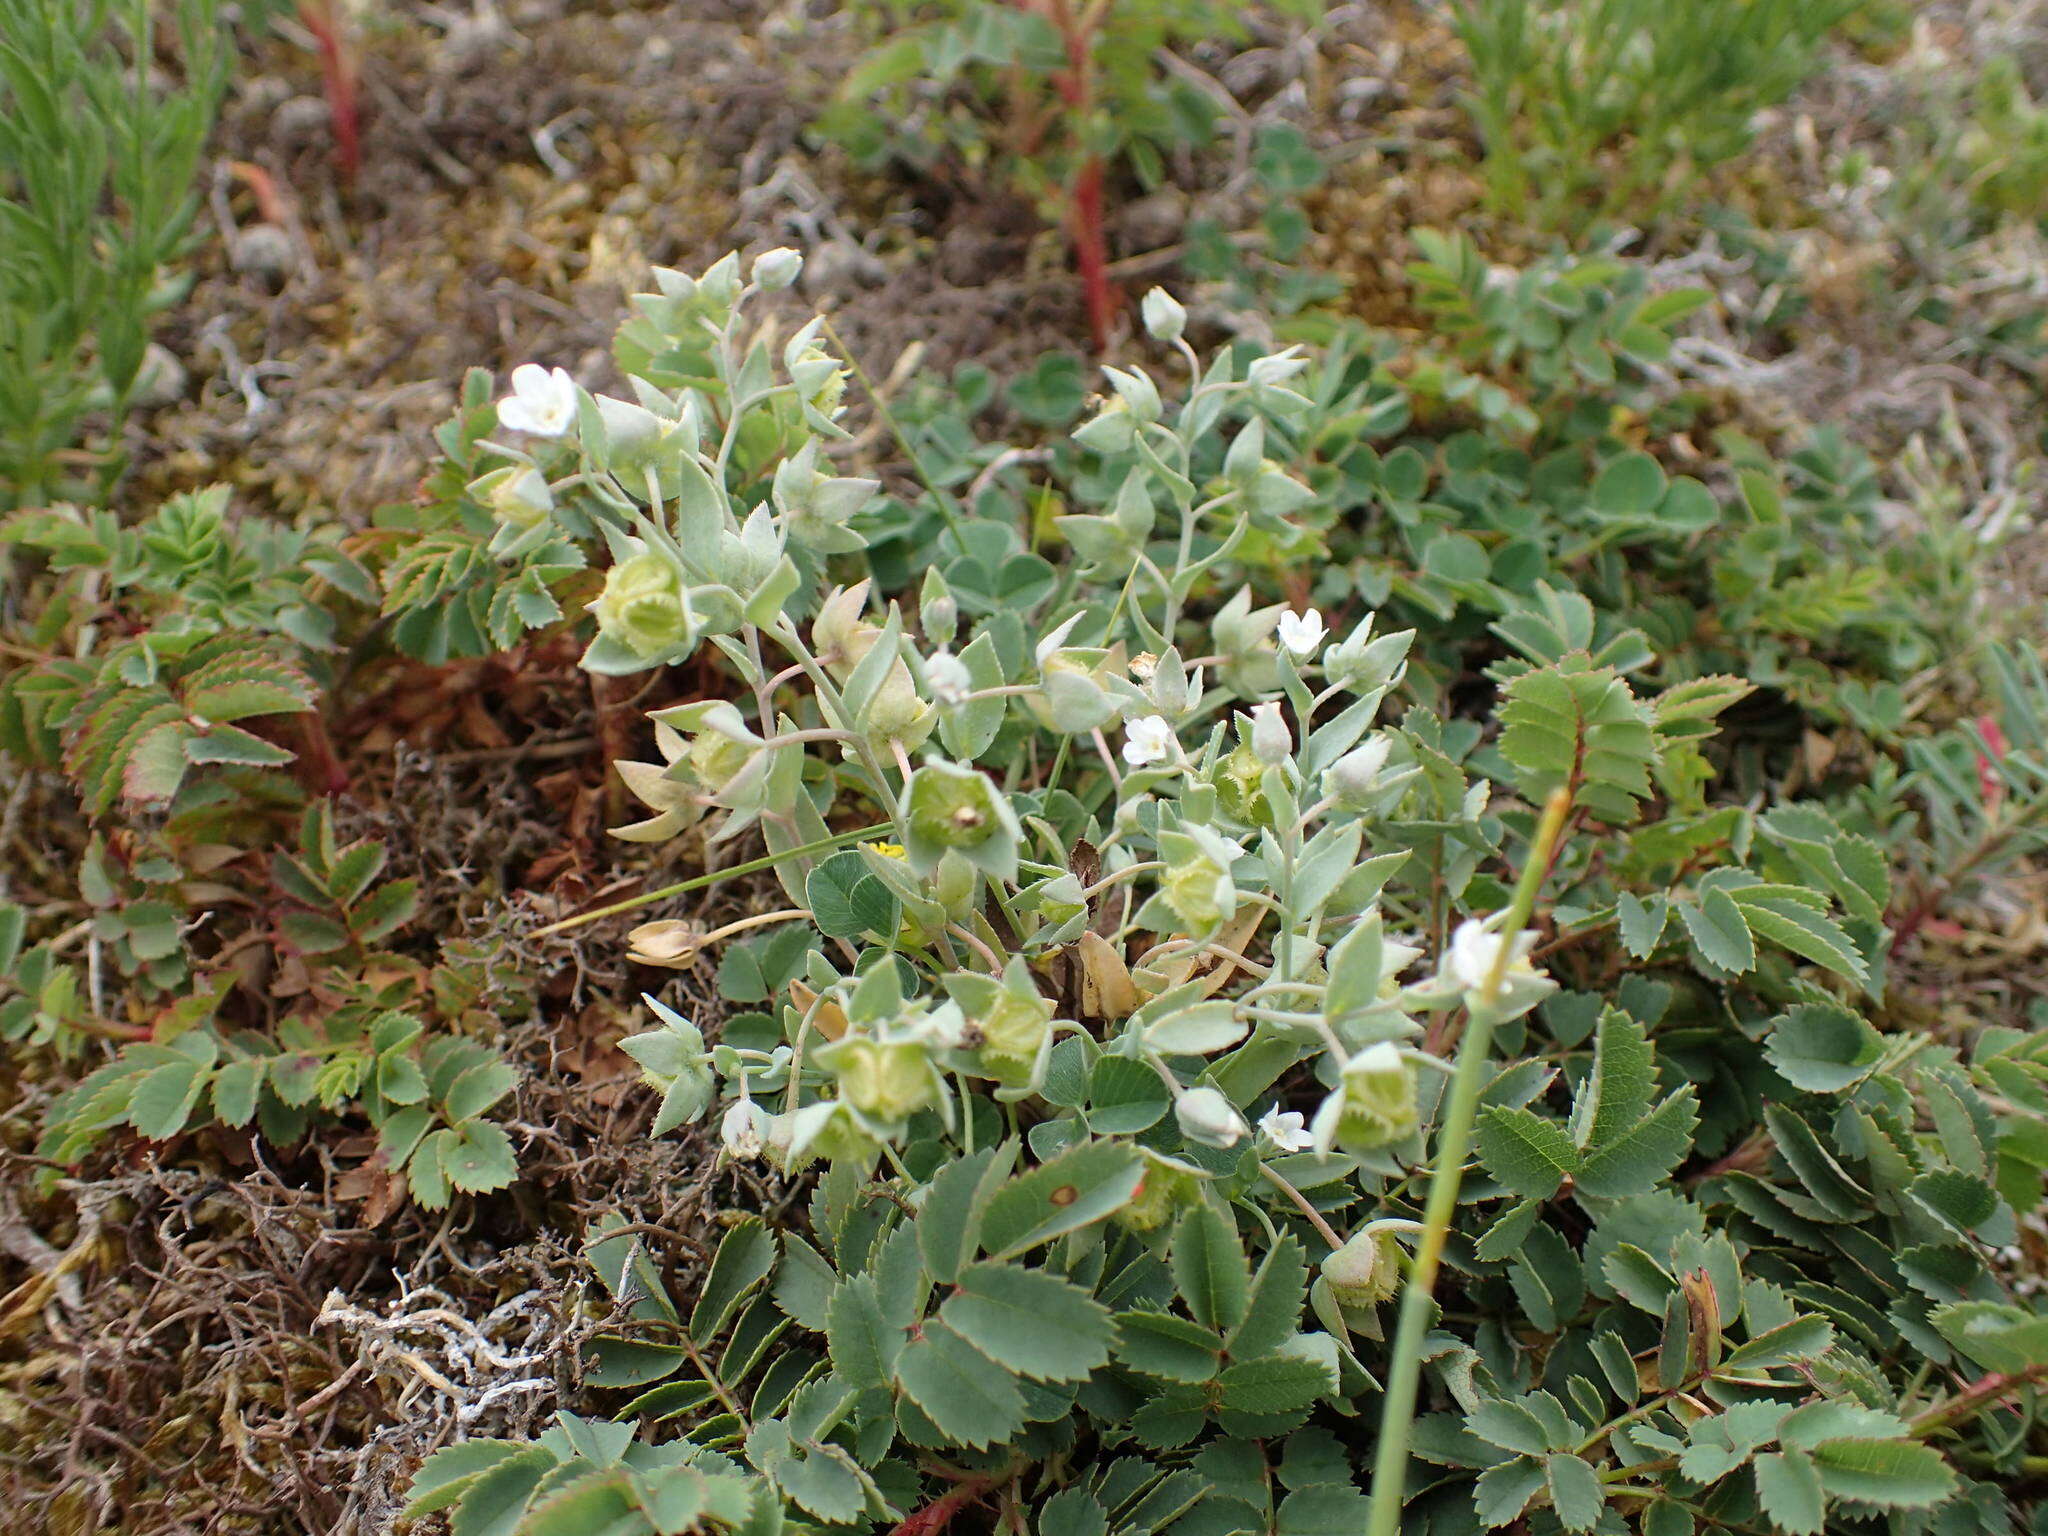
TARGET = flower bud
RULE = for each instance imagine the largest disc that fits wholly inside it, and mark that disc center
(1137, 391)
(946, 807)
(1271, 741)
(937, 611)
(1373, 1105)
(1197, 886)
(517, 495)
(743, 1130)
(1111, 430)
(777, 269)
(1165, 1189)
(1165, 318)
(886, 1080)
(1468, 962)
(644, 605)
(673, 1059)
(670, 943)
(1366, 1270)
(818, 376)
(1206, 1116)
(947, 678)
(1351, 780)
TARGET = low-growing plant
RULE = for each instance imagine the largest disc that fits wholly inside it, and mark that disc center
(1605, 109)
(2004, 148)
(261, 981)
(1171, 1013)
(99, 147)
(1058, 99)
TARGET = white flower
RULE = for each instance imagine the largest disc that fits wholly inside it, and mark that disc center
(1474, 951)
(947, 677)
(1287, 1132)
(1271, 741)
(1147, 739)
(1206, 1116)
(742, 1129)
(1164, 317)
(1301, 633)
(542, 402)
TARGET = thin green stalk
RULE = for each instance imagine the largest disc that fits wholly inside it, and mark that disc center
(1454, 1135)
(941, 498)
(698, 882)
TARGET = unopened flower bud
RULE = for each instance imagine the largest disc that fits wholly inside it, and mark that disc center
(1271, 741)
(1374, 1103)
(777, 268)
(948, 678)
(743, 1130)
(1165, 318)
(644, 605)
(1351, 780)
(888, 1080)
(1205, 1115)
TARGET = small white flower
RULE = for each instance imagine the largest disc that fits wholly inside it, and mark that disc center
(948, 678)
(1206, 1116)
(1301, 633)
(1147, 739)
(1272, 742)
(1287, 1132)
(542, 402)
(742, 1128)
(1474, 951)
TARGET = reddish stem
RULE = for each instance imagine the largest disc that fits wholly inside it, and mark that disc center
(935, 1516)
(1091, 252)
(338, 77)
(1076, 86)
(323, 763)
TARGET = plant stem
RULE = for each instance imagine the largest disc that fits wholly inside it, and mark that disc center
(752, 866)
(1390, 1466)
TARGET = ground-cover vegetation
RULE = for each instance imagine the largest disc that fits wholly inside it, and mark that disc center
(1260, 913)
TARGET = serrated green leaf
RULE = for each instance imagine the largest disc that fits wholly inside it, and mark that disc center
(1717, 927)
(1641, 1157)
(1575, 1492)
(1209, 1266)
(478, 1157)
(1530, 1155)
(1030, 1321)
(1803, 1338)
(164, 1098)
(745, 1257)
(1893, 1474)
(1166, 1345)
(1083, 1185)
(1503, 1492)
(968, 1397)
(1789, 1489)
(1823, 1047)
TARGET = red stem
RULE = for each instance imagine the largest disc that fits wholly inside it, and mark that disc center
(338, 77)
(323, 763)
(935, 1516)
(1076, 85)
